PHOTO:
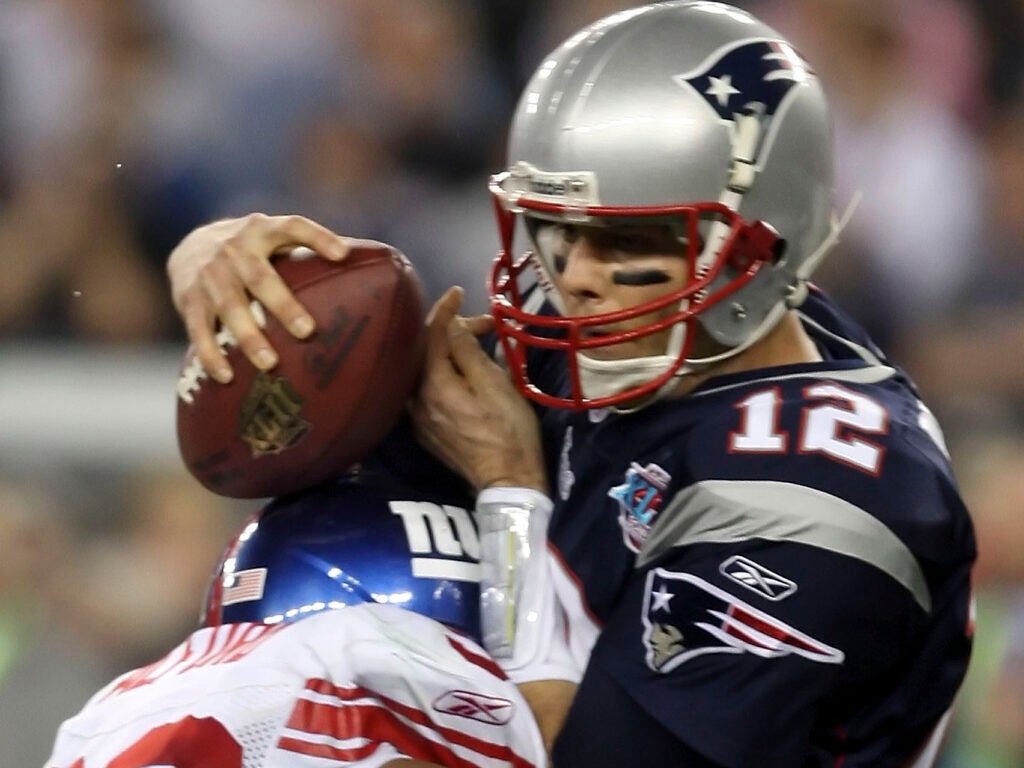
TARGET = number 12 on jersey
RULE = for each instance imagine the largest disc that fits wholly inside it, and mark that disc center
(834, 421)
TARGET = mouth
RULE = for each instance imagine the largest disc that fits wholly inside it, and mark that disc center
(587, 334)
(600, 344)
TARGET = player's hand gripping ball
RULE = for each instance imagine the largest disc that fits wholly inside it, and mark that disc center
(331, 398)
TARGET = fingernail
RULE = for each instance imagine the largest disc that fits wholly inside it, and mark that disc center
(338, 251)
(223, 374)
(265, 359)
(302, 326)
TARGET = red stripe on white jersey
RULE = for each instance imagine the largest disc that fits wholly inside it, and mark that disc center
(383, 720)
(378, 726)
(484, 662)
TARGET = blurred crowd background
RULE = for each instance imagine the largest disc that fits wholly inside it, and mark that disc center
(125, 123)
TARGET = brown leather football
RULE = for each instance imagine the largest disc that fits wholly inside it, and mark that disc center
(330, 399)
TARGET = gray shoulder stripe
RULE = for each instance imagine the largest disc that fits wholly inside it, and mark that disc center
(869, 375)
(864, 353)
(736, 510)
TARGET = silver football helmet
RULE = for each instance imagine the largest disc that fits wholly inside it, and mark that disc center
(691, 114)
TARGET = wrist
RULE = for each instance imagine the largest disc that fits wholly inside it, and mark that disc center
(515, 495)
(522, 481)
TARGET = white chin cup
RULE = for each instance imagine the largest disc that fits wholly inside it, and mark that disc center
(603, 378)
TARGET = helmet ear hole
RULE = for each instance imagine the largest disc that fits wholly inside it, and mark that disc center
(757, 242)
(779, 249)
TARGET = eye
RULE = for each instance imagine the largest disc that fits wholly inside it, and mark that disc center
(642, 240)
(567, 233)
(631, 242)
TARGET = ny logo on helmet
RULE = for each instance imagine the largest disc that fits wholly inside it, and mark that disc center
(443, 540)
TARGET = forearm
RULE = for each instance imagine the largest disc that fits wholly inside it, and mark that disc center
(549, 701)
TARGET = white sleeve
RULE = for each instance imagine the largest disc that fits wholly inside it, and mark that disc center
(523, 621)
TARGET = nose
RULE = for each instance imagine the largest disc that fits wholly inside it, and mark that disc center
(582, 277)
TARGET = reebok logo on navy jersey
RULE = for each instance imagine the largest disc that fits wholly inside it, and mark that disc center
(757, 578)
(685, 616)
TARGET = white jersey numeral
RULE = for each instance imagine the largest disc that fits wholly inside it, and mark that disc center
(834, 427)
(759, 432)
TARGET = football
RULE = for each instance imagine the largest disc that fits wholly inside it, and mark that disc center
(332, 396)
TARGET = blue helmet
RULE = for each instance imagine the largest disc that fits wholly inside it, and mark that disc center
(360, 539)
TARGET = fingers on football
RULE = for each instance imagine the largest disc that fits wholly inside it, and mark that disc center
(229, 301)
(247, 253)
(292, 231)
(199, 324)
(264, 283)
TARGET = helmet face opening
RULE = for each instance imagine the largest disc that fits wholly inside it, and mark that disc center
(691, 230)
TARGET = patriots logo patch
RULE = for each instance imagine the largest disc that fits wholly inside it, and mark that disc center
(639, 498)
(685, 616)
(749, 76)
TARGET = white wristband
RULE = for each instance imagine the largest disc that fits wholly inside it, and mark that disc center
(513, 533)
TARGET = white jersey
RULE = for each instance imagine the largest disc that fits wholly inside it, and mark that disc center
(353, 687)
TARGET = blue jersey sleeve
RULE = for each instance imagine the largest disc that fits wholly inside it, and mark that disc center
(732, 649)
(763, 651)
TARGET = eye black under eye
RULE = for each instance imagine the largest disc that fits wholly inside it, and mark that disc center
(558, 262)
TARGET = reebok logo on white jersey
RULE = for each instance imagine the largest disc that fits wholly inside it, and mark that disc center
(757, 578)
(476, 706)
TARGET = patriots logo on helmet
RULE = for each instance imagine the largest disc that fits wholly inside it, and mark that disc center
(707, 619)
(750, 76)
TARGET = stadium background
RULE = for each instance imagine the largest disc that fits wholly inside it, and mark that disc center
(124, 123)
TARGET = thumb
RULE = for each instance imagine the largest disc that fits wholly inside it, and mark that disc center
(446, 307)
(479, 325)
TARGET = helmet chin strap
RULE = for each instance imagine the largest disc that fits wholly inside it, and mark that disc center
(603, 378)
(803, 274)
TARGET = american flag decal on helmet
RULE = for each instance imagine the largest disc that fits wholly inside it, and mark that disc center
(750, 76)
(685, 616)
(242, 586)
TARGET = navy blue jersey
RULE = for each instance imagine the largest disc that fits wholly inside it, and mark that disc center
(773, 570)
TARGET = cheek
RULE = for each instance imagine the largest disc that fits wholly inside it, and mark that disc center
(656, 342)
(677, 280)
